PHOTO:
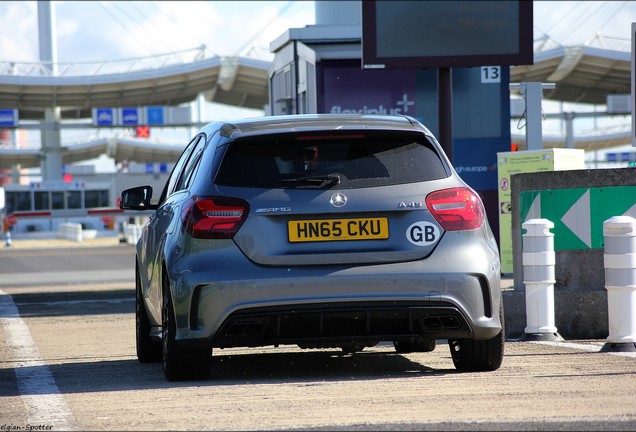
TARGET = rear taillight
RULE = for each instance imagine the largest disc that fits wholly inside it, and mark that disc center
(214, 218)
(456, 209)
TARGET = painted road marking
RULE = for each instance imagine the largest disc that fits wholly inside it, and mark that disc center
(584, 347)
(76, 302)
(38, 391)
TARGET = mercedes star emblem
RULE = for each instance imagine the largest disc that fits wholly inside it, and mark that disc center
(338, 200)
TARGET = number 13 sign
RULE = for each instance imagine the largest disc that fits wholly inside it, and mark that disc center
(490, 74)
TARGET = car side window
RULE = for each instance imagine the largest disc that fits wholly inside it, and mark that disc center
(191, 165)
(177, 171)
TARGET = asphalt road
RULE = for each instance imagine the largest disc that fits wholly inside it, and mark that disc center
(67, 361)
(20, 266)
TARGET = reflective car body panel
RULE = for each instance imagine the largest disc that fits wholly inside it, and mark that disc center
(416, 281)
(318, 230)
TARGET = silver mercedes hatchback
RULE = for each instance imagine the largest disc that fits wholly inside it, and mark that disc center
(322, 231)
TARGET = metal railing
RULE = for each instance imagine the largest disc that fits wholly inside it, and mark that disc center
(74, 69)
(598, 40)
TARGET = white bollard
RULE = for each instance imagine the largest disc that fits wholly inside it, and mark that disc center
(538, 277)
(620, 281)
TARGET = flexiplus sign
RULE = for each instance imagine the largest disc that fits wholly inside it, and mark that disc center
(511, 163)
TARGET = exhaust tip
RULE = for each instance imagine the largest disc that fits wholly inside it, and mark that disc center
(440, 322)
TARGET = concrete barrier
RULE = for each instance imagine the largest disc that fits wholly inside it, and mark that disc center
(70, 231)
(132, 232)
(580, 297)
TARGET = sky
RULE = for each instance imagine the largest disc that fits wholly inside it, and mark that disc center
(109, 30)
(99, 31)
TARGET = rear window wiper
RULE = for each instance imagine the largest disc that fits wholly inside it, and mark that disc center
(330, 179)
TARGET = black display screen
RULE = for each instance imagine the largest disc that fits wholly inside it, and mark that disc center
(427, 34)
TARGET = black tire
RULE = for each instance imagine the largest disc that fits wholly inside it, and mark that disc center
(180, 364)
(479, 355)
(148, 349)
(353, 347)
(418, 345)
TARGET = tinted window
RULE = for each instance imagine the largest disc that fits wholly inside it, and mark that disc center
(178, 168)
(57, 200)
(10, 202)
(23, 201)
(95, 198)
(40, 200)
(190, 168)
(309, 162)
(179, 176)
(74, 199)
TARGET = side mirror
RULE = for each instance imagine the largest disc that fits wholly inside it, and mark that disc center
(137, 198)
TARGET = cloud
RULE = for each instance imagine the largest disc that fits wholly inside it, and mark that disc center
(165, 26)
(19, 40)
(95, 31)
(114, 30)
(577, 22)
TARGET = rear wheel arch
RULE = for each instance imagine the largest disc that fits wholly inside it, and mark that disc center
(148, 349)
(179, 363)
(470, 355)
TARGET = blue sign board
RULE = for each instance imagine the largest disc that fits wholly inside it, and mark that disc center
(621, 157)
(152, 168)
(130, 116)
(104, 117)
(627, 156)
(9, 117)
(154, 115)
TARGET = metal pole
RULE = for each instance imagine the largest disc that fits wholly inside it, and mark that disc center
(51, 166)
(534, 132)
(445, 108)
(46, 36)
(569, 134)
(532, 93)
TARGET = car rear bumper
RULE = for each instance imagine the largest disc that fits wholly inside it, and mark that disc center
(338, 306)
(262, 305)
(315, 325)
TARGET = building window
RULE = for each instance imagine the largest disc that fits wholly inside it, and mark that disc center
(96, 198)
(23, 201)
(104, 198)
(91, 199)
(41, 200)
(57, 200)
(74, 200)
(10, 202)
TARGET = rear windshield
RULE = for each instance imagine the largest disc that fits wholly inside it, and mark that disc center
(353, 161)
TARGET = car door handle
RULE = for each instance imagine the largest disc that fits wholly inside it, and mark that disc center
(167, 209)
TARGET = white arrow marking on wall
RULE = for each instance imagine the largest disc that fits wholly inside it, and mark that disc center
(631, 212)
(577, 219)
(535, 209)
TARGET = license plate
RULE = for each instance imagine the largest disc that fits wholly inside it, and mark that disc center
(338, 229)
